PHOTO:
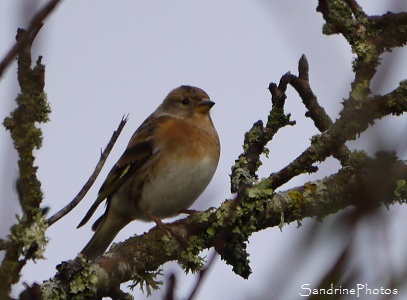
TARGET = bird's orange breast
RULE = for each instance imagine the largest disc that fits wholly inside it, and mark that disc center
(193, 138)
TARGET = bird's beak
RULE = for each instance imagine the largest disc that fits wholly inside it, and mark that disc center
(204, 107)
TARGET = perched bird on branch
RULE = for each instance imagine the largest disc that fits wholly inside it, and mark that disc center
(168, 163)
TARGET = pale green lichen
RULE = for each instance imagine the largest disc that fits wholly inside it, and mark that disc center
(82, 285)
(33, 237)
(361, 91)
(147, 281)
(170, 245)
(357, 159)
(401, 190)
(50, 290)
(191, 262)
(43, 108)
(261, 190)
(211, 231)
(282, 222)
(241, 175)
(85, 281)
(238, 222)
(366, 54)
(297, 202)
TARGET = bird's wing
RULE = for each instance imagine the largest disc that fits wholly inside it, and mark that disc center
(140, 149)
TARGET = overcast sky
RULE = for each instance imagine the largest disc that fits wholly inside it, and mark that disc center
(105, 59)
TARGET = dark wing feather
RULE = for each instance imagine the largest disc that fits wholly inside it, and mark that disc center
(139, 150)
(119, 174)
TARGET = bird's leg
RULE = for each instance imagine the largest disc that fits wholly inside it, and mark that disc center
(158, 222)
(166, 228)
(189, 211)
(193, 211)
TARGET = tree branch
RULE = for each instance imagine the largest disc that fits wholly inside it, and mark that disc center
(259, 210)
(27, 238)
(316, 112)
(28, 36)
(356, 117)
(364, 182)
(256, 139)
(369, 37)
(259, 207)
(103, 157)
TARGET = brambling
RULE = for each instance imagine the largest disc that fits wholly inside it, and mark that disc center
(168, 163)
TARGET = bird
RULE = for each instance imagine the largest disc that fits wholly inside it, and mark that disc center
(169, 161)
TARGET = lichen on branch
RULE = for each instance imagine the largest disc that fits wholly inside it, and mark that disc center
(27, 238)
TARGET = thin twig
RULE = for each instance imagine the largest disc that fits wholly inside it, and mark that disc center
(93, 177)
(301, 84)
(35, 24)
(355, 118)
(255, 140)
(170, 294)
(202, 274)
(315, 111)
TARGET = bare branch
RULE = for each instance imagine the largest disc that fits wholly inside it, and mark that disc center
(92, 178)
(301, 84)
(202, 275)
(29, 35)
(316, 112)
(170, 294)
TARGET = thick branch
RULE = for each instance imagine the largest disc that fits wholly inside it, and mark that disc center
(259, 210)
(393, 30)
(27, 238)
(369, 37)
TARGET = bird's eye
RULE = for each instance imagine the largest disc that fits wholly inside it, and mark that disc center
(185, 101)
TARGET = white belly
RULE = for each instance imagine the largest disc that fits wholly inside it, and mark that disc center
(176, 188)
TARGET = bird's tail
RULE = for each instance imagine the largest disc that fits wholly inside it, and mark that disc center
(106, 228)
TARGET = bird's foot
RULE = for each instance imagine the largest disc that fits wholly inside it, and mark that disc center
(189, 211)
(167, 229)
